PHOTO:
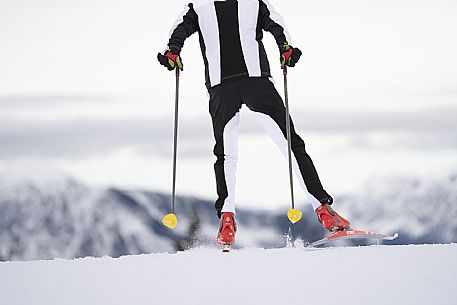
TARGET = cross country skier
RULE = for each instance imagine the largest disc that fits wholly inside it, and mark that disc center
(237, 72)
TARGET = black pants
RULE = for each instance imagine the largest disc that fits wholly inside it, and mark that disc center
(260, 96)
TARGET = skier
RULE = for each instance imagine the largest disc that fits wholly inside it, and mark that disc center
(237, 72)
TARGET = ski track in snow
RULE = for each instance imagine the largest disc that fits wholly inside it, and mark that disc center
(425, 274)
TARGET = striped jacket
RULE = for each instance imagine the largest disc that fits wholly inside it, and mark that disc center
(230, 33)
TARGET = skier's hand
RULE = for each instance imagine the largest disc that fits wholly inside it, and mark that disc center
(170, 59)
(289, 55)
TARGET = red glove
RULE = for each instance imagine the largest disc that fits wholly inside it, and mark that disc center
(289, 55)
(170, 60)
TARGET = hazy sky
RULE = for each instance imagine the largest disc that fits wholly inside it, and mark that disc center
(374, 94)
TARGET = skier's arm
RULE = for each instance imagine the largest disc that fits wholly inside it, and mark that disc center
(184, 26)
(273, 22)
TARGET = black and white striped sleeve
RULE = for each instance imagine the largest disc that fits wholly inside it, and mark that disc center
(184, 26)
(273, 22)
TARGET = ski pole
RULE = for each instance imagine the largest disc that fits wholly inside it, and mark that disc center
(171, 220)
(293, 214)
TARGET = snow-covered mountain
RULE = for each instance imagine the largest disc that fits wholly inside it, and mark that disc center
(63, 218)
(422, 210)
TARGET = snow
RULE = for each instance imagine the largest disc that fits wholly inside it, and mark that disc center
(424, 274)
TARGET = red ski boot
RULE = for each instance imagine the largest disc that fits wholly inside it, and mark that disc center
(226, 235)
(331, 220)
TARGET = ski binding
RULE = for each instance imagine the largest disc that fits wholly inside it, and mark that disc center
(226, 248)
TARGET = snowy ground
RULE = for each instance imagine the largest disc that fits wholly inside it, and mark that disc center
(364, 275)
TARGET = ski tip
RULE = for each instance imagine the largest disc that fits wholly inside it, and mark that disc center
(226, 248)
(391, 237)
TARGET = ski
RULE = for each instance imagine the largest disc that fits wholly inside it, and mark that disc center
(351, 234)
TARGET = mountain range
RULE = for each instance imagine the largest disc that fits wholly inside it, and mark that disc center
(65, 218)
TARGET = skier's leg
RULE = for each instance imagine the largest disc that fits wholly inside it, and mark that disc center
(262, 97)
(224, 109)
(266, 103)
(228, 159)
(275, 133)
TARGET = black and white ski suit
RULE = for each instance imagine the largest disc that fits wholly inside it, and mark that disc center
(237, 72)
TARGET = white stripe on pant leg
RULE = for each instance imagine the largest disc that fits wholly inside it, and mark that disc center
(273, 130)
(230, 139)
